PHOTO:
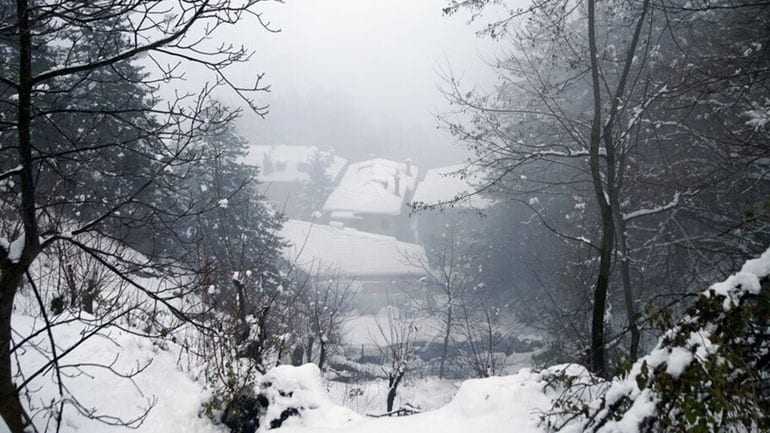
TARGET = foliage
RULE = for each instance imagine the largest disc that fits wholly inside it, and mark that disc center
(319, 183)
(707, 374)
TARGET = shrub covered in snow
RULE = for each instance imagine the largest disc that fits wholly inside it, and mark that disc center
(707, 374)
(284, 394)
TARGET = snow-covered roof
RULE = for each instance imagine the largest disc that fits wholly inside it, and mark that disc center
(375, 186)
(284, 163)
(324, 248)
(445, 184)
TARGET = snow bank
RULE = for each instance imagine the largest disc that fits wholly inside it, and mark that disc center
(174, 397)
(510, 399)
(497, 404)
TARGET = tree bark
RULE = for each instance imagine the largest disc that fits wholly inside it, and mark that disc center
(322, 353)
(12, 269)
(11, 409)
(72, 287)
(447, 334)
(615, 183)
(597, 356)
(393, 382)
(297, 355)
(628, 292)
(613, 220)
(309, 349)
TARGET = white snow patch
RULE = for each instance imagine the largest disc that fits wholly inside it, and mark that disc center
(678, 360)
(759, 117)
(16, 249)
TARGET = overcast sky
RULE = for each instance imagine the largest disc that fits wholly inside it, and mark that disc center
(361, 76)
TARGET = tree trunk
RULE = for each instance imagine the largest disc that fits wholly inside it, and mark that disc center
(615, 185)
(598, 360)
(72, 287)
(297, 355)
(10, 405)
(445, 348)
(628, 292)
(322, 354)
(309, 350)
(490, 370)
(393, 382)
(11, 273)
(88, 297)
(243, 326)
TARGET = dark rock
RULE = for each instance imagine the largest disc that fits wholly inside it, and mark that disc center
(242, 414)
(284, 416)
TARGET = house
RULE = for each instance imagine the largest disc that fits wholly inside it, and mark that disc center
(445, 197)
(454, 185)
(384, 270)
(283, 171)
(373, 196)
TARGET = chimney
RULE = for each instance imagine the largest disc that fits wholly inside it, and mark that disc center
(397, 184)
(408, 163)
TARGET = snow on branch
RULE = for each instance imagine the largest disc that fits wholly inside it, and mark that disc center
(705, 374)
(759, 116)
(651, 211)
(12, 172)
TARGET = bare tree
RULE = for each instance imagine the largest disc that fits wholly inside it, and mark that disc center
(397, 349)
(328, 305)
(62, 54)
(450, 274)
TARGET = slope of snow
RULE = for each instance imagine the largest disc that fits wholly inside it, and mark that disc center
(318, 247)
(445, 184)
(287, 162)
(376, 186)
(174, 397)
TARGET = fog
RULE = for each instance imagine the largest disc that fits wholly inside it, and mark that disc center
(562, 225)
(362, 77)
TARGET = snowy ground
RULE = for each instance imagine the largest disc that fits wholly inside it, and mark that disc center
(369, 397)
(489, 405)
(499, 404)
(175, 398)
